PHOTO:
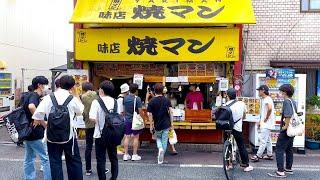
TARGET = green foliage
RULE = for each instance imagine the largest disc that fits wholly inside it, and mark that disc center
(314, 101)
(314, 129)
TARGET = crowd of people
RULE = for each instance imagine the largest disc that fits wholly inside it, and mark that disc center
(54, 134)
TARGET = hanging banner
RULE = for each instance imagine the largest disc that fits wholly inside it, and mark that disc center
(138, 79)
(149, 44)
(163, 12)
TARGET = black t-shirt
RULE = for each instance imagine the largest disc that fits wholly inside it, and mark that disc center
(159, 107)
(38, 131)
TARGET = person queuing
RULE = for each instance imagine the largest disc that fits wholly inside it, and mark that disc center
(131, 135)
(149, 96)
(124, 89)
(97, 115)
(266, 124)
(24, 97)
(61, 107)
(160, 116)
(33, 144)
(284, 142)
(87, 98)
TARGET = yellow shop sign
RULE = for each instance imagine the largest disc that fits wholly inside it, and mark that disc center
(163, 12)
(161, 44)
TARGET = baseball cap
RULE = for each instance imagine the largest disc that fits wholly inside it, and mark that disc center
(124, 88)
(263, 87)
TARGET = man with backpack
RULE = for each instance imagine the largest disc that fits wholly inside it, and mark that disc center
(124, 92)
(61, 107)
(33, 143)
(238, 109)
(104, 112)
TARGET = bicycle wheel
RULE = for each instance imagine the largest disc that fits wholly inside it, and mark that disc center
(227, 160)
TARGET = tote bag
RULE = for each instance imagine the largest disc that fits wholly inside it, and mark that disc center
(137, 121)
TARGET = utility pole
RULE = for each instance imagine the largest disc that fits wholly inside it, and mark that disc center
(22, 81)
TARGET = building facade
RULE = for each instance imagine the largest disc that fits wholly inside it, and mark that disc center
(34, 36)
(287, 34)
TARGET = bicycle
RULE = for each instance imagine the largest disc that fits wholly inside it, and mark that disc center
(231, 157)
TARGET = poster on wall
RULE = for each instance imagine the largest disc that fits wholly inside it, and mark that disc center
(138, 79)
(80, 76)
(223, 85)
(282, 73)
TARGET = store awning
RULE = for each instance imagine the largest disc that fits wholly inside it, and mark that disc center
(137, 13)
(296, 64)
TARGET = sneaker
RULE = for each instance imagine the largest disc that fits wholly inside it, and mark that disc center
(277, 174)
(88, 172)
(20, 145)
(248, 169)
(136, 157)
(126, 157)
(41, 168)
(160, 156)
(288, 171)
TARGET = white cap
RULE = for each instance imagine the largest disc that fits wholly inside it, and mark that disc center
(124, 88)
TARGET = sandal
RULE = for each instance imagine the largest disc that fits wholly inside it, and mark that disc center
(277, 175)
(174, 153)
(267, 157)
(255, 158)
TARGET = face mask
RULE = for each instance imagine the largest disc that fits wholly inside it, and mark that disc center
(46, 88)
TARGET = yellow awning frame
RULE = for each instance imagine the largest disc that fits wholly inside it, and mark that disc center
(163, 13)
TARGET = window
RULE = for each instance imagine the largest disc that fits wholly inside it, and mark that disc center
(310, 5)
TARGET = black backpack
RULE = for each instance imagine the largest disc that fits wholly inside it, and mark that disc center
(113, 129)
(224, 118)
(58, 129)
(18, 125)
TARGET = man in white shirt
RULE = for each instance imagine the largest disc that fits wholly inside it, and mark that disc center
(124, 92)
(97, 115)
(266, 124)
(70, 148)
(239, 113)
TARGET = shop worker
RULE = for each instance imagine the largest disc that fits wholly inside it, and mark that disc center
(284, 142)
(266, 124)
(61, 107)
(194, 99)
(124, 89)
(239, 112)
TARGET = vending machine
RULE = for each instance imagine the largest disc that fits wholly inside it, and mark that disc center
(6, 93)
(298, 81)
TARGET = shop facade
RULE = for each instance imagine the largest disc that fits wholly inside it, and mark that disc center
(176, 43)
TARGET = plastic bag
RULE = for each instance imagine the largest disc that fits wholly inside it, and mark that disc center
(173, 137)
